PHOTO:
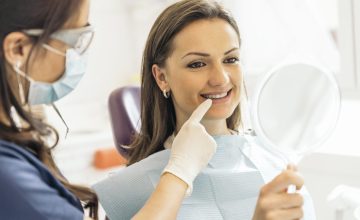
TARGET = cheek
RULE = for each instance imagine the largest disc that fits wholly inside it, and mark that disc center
(48, 68)
(186, 90)
(236, 80)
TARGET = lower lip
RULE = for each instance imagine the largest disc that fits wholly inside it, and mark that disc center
(222, 100)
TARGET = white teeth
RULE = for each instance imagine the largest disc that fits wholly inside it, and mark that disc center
(216, 96)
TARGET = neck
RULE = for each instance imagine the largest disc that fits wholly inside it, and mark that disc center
(216, 127)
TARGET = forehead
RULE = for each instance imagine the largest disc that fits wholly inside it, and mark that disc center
(206, 35)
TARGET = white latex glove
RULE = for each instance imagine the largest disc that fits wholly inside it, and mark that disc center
(192, 148)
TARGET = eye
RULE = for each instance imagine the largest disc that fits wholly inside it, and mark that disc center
(231, 60)
(196, 65)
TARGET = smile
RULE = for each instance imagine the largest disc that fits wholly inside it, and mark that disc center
(216, 95)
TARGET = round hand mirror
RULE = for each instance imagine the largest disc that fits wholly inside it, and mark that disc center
(296, 108)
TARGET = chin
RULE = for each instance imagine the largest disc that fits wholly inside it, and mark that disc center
(218, 115)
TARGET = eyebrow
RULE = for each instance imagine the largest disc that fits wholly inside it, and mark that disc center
(207, 55)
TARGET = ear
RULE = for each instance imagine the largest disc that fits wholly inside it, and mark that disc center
(160, 77)
(17, 48)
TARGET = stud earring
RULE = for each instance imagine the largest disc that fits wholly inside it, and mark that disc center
(166, 94)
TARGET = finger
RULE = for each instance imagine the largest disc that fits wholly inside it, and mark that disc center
(282, 201)
(292, 167)
(292, 213)
(291, 188)
(282, 181)
(200, 111)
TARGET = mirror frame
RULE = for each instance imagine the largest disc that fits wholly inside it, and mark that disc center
(255, 105)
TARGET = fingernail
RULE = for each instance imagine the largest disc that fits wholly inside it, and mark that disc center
(291, 167)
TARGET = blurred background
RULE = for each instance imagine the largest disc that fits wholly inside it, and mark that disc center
(325, 31)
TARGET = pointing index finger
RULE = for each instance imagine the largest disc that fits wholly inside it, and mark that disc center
(200, 111)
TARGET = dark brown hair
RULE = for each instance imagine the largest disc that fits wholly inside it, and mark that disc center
(158, 119)
(15, 16)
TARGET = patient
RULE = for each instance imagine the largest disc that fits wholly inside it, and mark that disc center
(191, 55)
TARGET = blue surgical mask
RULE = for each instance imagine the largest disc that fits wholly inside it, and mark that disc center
(78, 40)
(47, 93)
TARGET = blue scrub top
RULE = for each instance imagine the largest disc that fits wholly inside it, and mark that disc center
(29, 191)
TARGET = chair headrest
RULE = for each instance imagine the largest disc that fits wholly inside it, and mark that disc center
(124, 108)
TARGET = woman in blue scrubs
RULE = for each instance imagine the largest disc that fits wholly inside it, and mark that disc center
(42, 58)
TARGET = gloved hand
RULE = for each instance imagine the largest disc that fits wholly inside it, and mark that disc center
(192, 148)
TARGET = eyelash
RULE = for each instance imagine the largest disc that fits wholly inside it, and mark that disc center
(234, 59)
(196, 65)
(199, 64)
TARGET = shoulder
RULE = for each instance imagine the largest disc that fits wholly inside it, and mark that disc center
(24, 191)
(16, 163)
(8, 149)
(123, 193)
(15, 160)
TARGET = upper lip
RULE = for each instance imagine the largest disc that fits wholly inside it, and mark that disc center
(217, 92)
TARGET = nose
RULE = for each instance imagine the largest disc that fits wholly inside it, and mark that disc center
(219, 76)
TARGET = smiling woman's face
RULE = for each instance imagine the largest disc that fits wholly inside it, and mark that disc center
(204, 64)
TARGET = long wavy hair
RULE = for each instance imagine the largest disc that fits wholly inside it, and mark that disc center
(15, 16)
(158, 119)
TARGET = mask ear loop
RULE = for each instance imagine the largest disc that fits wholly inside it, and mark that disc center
(56, 51)
(20, 86)
(14, 115)
(62, 119)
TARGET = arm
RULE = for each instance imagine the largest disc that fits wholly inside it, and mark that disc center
(170, 188)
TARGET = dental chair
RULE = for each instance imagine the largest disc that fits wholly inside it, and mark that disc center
(124, 108)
